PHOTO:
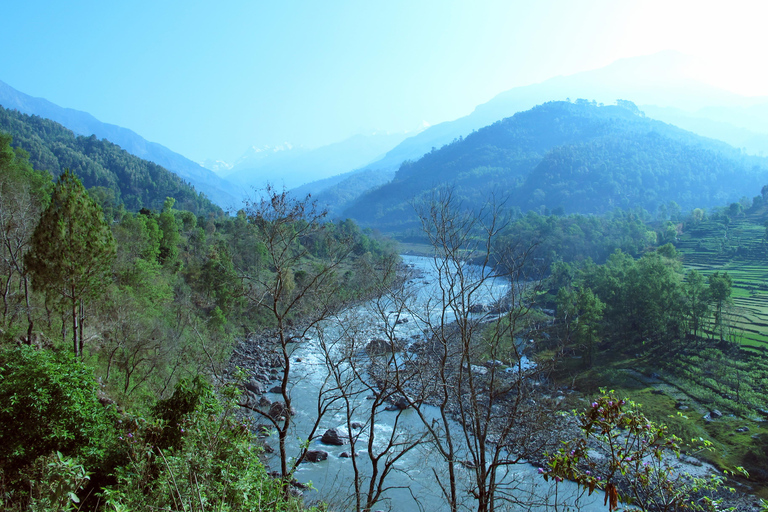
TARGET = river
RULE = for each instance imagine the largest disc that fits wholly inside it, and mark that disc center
(412, 484)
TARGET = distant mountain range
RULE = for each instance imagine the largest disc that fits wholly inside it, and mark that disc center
(659, 84)
(217, 189)
(340, 174)
(574, 158)
(294, 166)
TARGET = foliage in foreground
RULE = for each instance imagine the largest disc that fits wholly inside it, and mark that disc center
(195, 456)
(639, 464)
(48, 404)
(62, 449)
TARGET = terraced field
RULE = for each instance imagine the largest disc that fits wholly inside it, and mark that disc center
(740, 249)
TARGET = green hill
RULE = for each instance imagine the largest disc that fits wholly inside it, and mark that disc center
(580, 157)
(129, 180)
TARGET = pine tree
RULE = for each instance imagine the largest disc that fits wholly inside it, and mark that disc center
(72, 252)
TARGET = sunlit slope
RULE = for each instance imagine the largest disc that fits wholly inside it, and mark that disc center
(570, 157)
(735, 244)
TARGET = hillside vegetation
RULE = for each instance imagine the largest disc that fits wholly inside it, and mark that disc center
(681, 327)
(114, 331)
(120, 177)
(574, 157)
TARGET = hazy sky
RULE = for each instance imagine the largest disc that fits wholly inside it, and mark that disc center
(208, 79)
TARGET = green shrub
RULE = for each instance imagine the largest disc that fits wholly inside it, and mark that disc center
(49, 403)
(195, 456)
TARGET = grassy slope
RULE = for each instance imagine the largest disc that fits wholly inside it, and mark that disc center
(680, 385)
(741, 250)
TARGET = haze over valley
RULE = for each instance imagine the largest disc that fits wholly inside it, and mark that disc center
(351, 256)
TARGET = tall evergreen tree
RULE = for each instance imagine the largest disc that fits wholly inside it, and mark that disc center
(72, 252)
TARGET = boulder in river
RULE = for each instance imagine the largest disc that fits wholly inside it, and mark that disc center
(278, 410)
(379, 346)
(254, 387)
(478, 308)
(333, 437)
(315, 455)
(399, 405)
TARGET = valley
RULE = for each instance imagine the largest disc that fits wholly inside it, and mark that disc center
(470, 316)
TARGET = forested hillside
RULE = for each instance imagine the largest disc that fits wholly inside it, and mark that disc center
(113, 331)
(118, 176)
(217, 189)
(577, 157)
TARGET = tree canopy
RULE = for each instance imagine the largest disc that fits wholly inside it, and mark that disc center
(72, 251)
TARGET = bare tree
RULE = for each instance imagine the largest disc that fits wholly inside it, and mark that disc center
(471, 363)
(19, 213)
(374, 453)
(297, 289)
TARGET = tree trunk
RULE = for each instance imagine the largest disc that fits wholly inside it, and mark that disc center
(74, 327)
(29, 311)
(82, 321)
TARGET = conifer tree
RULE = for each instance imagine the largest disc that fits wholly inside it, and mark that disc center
(72, 252)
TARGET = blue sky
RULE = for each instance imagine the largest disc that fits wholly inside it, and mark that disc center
(209, 80)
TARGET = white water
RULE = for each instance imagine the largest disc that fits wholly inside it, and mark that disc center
(412, 484)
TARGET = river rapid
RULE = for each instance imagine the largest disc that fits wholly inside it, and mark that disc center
(412, 484)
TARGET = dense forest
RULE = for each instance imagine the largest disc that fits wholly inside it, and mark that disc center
(574, 157)
(113, 175)
(123, 323)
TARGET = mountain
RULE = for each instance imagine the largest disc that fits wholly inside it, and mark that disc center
(219, 190)
(258, 156)
(579, 157)
(663, 79)
(293, 167)
(111, 173)
(724, 124)
(336, 193)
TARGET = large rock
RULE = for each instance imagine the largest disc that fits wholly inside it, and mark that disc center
(278, 410)
(378, 347)
(333, 437)
(402, 403)
(254, 387)
(399, 405)
(316, 455)
(479, 370)
(478, 308)
(250, 398)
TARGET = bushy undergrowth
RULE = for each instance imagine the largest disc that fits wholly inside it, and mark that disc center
(48, 404)
(195, 455)
(62, 449)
